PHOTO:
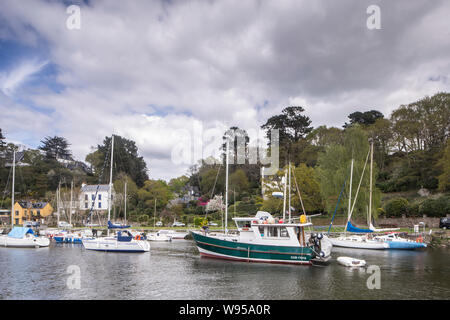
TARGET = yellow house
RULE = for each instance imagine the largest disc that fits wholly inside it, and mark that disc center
(31, 211)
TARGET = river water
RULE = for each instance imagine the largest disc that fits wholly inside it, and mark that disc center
(173, 271)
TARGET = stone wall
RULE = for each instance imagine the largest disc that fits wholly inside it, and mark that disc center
(410, 222)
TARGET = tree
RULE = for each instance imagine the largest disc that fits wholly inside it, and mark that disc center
(309, 190)
(444, 165)
(177, 184)
(56, 148)
(292, 126)
(364, 118)
(154, 189)
(239, 181)
(2, 141)
(334, 169)
(126, 160)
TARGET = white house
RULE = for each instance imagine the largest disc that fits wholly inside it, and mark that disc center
(95, 197)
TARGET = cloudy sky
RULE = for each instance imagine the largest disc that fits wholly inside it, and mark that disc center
(163, 72)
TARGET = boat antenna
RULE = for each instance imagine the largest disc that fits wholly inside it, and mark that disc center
(110, 180)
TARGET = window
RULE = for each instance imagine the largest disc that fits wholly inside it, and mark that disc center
(17, 213)
(93, 197)
(85, 205)
(99, 205)
(86, 197)
(99, 197)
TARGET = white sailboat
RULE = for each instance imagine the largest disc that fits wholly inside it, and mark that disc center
(124, 241)
(20, 236)
(355, 241)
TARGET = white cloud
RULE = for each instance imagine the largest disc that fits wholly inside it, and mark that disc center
(10, 81)
(145, 69)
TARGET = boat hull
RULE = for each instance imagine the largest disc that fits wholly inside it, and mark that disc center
(28, 242)
(372, 245)
(113, 245)
(406, 245)
(233, 250)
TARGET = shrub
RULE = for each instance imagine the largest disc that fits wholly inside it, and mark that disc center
(396, 207)
(143, 218)
(436, 207)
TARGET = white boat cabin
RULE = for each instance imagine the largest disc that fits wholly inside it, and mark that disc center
(263, 228)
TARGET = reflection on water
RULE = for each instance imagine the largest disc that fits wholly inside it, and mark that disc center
(175, 270)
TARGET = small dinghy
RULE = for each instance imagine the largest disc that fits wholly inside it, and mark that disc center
(351, 262)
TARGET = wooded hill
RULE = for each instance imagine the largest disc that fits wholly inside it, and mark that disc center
(412, 153)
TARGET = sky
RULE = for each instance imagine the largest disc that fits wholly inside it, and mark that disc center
(167, 74)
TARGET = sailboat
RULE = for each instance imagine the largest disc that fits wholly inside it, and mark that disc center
(124, 241)
(21, 237)
(261, 239)
(354, 241)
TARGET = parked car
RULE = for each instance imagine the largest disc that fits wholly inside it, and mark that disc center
(64, 224)
(212, 224)
(31, 224)
(178, 224)
(159, 224)
(444, 223)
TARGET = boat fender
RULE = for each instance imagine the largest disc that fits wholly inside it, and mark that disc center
(322, 254)
(313, 235)
(319, 236)
(138, 237)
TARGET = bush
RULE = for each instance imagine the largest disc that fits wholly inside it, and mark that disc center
(435, 207)
(143, 218)
(396, 207)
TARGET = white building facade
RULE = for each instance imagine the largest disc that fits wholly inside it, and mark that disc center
(95, 197)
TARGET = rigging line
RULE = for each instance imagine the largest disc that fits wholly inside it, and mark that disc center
(99, 181)
(357, 191)
(298, 190)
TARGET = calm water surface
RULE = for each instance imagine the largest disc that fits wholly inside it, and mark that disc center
(176, 271)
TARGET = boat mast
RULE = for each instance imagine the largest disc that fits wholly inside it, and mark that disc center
(370, 187)
(226, 189)
(12, 195)
(110, 180)
(125, 195)
(289, 202)
(284, 196)
(154, 216)
(58, 199)
(349, 195)
(71, 202)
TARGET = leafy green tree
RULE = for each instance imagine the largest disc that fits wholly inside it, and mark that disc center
(292, 126)
(309, 190)
(444, 165)
(56, 148)
(154, 189)
(177, 184)
(364, 118)
(334, 169)
(126, 160)
(239, 181)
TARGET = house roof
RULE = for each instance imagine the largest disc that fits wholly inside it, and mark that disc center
(93, 188)
(32, 205)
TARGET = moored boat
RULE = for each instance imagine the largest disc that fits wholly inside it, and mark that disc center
(261, 239)
(124, 242)
(394, 241)
(351, 262)
(21, 237)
